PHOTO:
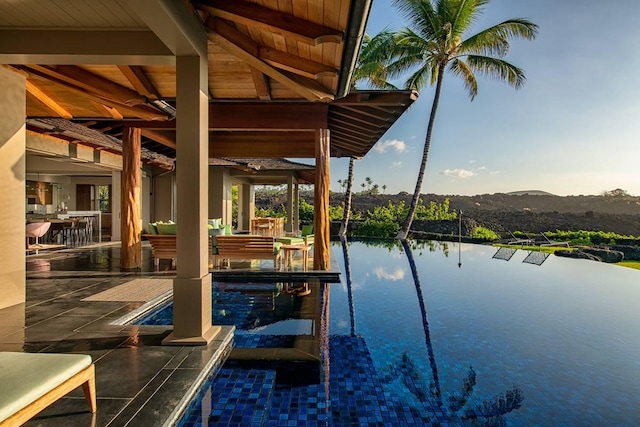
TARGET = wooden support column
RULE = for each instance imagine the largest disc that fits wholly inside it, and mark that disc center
(321, 255)
(246, 206)
(131, 246)
(296, 206)
(12, 175)
(290, 203)
(192, 302)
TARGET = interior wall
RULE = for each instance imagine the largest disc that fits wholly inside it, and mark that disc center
(145, 215)
(12, 196)
(162, 196)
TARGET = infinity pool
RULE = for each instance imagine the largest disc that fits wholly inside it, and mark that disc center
(412, 338)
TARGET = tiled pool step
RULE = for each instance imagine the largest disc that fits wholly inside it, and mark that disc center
(346, 391)
(234, 398)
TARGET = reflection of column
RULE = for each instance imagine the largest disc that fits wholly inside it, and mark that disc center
(324, 339)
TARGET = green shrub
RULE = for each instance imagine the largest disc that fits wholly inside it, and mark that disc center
(484, 234)
(377, 228)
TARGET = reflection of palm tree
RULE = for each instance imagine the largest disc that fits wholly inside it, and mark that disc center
(347, 267)
(425, 320)
(488, 413)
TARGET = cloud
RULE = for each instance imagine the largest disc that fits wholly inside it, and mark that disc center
(472, 161)
(395, 164)
(494, 172)
(457, 173)
(396, 275)
(389, 144)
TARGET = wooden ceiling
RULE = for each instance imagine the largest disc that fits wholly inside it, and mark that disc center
(104, 64)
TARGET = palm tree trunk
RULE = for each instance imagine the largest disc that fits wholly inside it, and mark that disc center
(347, 200)
(402, 234)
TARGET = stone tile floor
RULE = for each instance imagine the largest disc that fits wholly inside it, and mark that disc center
(139, 382)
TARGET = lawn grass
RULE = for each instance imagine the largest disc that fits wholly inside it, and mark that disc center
(629, 264)
(546, 249)
(552, 249)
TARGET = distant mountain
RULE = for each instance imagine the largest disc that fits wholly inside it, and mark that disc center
(529, 193)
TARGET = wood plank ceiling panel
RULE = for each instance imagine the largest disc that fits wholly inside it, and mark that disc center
(109, 72)
(68, 13)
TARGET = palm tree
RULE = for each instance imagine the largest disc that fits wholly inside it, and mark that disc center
(434, 42)
(347, 200)
(374, 73)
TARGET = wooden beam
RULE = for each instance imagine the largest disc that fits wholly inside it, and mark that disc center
(258, 144)
(130, 227)
(140, 111)
(280, 116)
(267, 116)
(110, 111)
(295, 64)
(242, 47)
(49, 102)
(379, 98)
(321, 222)
(260, 81)
(161, 137)
(92, 83)
(269, 20)
(139, 80)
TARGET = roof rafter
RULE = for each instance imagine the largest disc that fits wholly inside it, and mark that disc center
(49, 102)
(141, 111)
(280, 23)
(295, 64)
(76, 76)
(244, 48)
(139, 80)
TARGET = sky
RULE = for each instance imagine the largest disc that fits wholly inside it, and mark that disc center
(573, 129)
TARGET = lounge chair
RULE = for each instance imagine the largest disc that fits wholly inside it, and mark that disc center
(519, 241)
(549, 242)
(30, 382)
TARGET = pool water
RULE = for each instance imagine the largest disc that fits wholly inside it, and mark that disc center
(411, 338)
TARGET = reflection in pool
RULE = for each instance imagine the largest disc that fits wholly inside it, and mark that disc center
(411, 338)
(560, 336)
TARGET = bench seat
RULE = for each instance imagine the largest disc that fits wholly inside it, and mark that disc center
(29, 382)
(164, 246)
(247, 246)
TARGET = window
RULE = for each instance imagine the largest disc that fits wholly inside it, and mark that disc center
(104, 198)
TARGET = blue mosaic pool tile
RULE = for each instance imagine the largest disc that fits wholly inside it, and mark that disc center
(264, 341)
(235, 398)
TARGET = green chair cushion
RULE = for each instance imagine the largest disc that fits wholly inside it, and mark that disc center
(290, 240)
(306, 230)
(166, 228)
(25, 377)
